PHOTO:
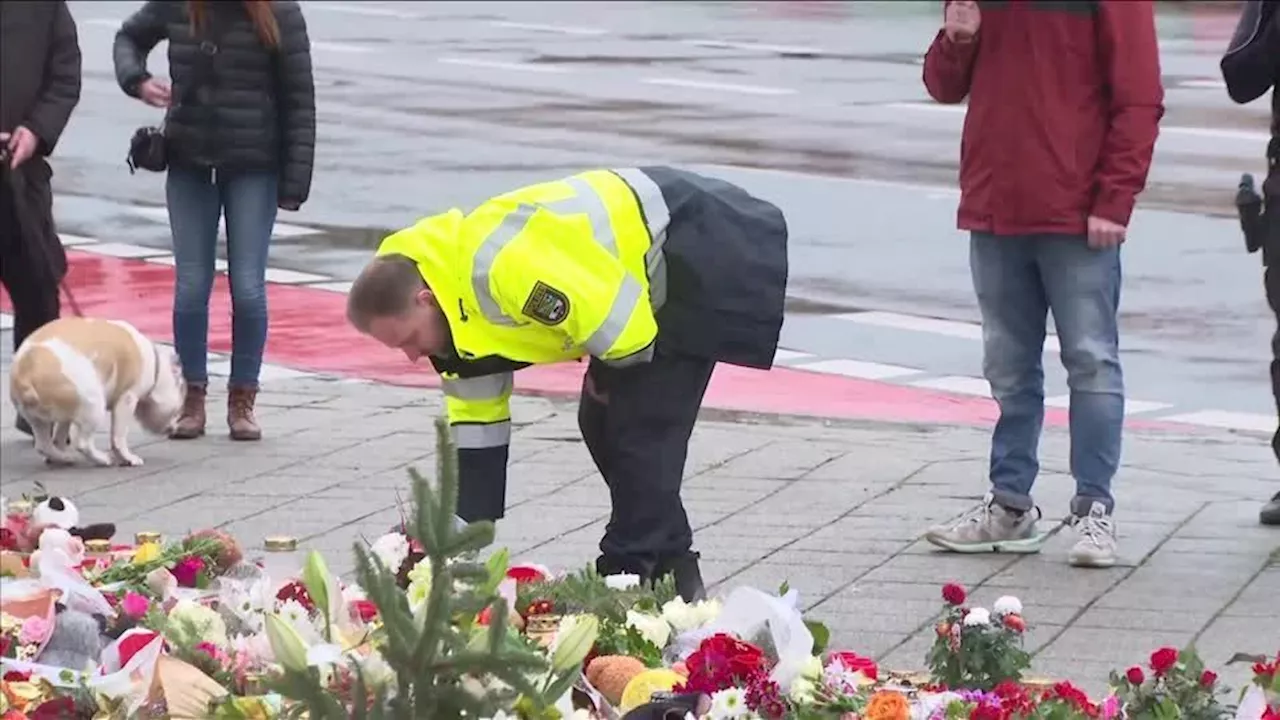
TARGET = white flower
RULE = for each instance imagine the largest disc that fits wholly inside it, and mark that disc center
(419, 589)
(684, 617)
(805, 684)
(651, 627)
(391, 550)
(202, 624)
(293, 612)
(352, 593)
(621, 582)
(729, 704)
(1007, 605)
(977, 616)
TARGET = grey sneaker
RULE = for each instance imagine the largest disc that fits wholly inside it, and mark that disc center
(1096, 547)
(989, 528)
(1270, 514)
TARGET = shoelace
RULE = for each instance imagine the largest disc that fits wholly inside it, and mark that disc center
(978, 514)
(1095, 529)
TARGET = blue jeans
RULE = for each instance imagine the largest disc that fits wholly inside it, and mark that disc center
(196, 197)
(1018, 281)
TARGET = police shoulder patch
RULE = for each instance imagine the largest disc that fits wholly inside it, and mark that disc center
(546, 304)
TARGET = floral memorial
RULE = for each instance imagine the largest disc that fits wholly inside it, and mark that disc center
(437, 624)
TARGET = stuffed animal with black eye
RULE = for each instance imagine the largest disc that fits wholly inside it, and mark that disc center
(60, 512)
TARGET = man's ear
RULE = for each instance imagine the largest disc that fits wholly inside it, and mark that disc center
(425, 298)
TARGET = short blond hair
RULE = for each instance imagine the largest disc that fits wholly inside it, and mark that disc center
(384, 288)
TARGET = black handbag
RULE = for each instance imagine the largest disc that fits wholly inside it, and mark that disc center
(147, 150)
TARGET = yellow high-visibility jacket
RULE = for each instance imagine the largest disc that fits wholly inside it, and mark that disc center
(543, 274)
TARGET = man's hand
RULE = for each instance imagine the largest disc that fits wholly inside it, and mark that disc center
(155, 93)
(1104, 233)
(21, 144)
(961, 21)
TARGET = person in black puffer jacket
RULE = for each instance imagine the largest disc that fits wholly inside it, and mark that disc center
(1249, 69)
(240, 130)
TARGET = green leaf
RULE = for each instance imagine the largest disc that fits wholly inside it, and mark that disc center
(821, 635)
(784, 588)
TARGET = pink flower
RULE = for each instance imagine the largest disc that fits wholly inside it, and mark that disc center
(187, 571)
(134, 605)
(214, 652)
(35, 630)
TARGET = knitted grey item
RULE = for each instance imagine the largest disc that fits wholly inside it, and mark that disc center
(76, 642)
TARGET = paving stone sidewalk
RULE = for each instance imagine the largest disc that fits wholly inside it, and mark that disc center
(836, 511)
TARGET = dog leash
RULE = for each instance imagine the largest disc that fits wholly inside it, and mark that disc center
(48, 257)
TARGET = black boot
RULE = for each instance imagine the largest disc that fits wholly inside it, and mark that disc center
(687, 574)
(23, 426)
(1270, 514)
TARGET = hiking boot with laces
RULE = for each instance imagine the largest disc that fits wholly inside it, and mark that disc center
(240, 417)
(989, 528)
(190, 424)
(1096, 547)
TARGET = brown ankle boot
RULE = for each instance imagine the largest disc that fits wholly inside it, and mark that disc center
(190, 423)
(240, 418)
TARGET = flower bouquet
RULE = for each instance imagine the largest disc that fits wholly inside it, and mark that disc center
(977, 648)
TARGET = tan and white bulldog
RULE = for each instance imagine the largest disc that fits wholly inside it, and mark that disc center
(72, 374)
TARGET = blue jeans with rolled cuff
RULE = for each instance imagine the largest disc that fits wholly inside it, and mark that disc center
(1019, 280)
(196, 198)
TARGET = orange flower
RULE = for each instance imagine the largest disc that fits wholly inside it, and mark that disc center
(887, 705)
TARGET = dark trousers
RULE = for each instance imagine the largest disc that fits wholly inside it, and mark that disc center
(1271, 279)
(636, 423)
(27, 274)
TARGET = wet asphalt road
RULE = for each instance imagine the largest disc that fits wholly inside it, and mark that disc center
(816, 106)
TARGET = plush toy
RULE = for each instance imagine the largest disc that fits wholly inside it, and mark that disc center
(76, 642)
(59, 512)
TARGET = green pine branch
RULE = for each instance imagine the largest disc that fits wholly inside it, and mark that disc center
(444, 666)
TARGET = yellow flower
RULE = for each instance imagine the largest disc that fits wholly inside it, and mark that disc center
(145, 553)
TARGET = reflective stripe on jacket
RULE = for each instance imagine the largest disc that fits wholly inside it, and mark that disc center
(547, 273)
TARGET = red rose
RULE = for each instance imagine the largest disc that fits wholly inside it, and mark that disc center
(1015, 623)
(8, 539)
(297, 592)
(1135, 676)
(1163, 660)
(856, 663)
(5, 644)
(954, 594)
(526, 574)
(187, 571)
(485, 617)
(16, 676)
(134, 643)
(1208, 678)
(58, 708)
(364, 609)
(1271, 714)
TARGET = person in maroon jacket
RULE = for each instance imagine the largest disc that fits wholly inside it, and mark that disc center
(1065, 101)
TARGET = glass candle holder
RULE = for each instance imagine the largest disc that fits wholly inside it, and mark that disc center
(280, 560)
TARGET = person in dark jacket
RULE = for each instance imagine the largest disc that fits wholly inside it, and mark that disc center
(1065, 101)
(655, 274)
(39, 88)
(1249, 70)
(240, 136)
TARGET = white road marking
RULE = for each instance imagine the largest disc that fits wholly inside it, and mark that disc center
(362, 9)
(338, 287)
(219, 264)
(1218, 133)
(782, 356)
(6, 321)
(539, 27)
(957, 384)
(1205, 84)
(281, 230)
(936, 326)
(931, 190)
(1131, 407)
(1227, 420)
(325, 46)
(723, 87)
(292, 277)
(755, 47)
(69, 240)
(503, 65)
(858, 369)
(123, 250)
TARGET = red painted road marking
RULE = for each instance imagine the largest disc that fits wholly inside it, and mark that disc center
(309, 332)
